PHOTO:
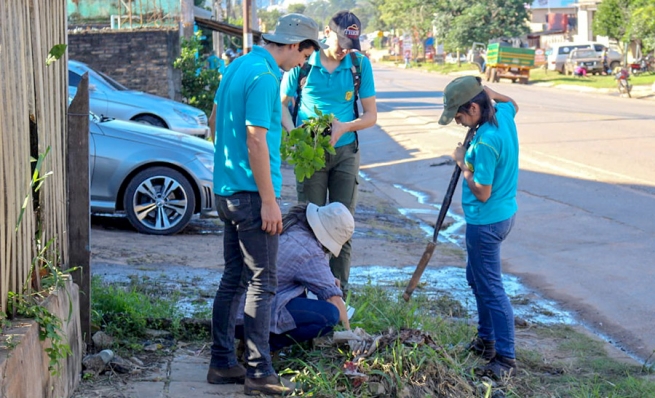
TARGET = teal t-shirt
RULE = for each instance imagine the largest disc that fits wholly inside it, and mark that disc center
(249, 95)
(494, 159)
(330, 92)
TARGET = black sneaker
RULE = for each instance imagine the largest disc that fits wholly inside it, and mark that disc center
(484, 348)
(500, 368)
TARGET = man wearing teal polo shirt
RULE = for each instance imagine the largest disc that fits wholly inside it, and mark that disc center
(330, 87)
(248, 181)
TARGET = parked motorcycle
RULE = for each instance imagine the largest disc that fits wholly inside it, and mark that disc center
(622, 77)
(643, 64)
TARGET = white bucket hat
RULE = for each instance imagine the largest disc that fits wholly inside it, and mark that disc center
(332, 224)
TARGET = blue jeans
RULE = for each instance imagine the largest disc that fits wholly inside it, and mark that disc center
(483, 273)
(313, 318)
(250, 266)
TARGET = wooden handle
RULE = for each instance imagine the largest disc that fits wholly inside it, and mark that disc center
(418, 272)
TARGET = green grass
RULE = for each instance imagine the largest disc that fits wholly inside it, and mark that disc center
(541, 76)
(446, 369)
(557, 361)
(124, 311)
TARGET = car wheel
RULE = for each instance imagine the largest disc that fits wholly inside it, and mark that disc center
(151, 120)
(159, 201)
(614, 64)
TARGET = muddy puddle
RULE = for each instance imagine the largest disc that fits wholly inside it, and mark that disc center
(197, 286)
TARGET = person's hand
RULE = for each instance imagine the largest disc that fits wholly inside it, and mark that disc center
(458, 153)
(271, 218)
(337, 282)
(491, 93)
(338, 129)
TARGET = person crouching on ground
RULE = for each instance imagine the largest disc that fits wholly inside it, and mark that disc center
(490, 170)
(580, 70)
(309, 234)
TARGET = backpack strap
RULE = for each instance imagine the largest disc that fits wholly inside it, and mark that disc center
(356, 70)
(302, 80)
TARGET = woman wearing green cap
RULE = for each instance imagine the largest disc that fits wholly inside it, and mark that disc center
(490, 170)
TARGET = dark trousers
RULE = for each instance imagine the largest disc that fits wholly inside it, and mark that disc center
(250, 266)
(313, 318)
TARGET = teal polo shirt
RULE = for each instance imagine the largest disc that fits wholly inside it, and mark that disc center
(330, 92)
(249, 95)
(494, 159)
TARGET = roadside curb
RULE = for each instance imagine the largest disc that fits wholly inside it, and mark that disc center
(644, 92)
(641, 92)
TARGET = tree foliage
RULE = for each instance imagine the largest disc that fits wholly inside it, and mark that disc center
(626, 21)
(268, 19)
(612, 19)
(199, 84)
(322, 10)
(460, 23)
(297, 8)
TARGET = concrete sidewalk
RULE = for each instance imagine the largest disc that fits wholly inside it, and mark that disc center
(183, 375)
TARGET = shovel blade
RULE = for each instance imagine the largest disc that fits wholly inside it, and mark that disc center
(418, 272)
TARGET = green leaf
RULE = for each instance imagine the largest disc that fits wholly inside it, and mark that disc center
(56, 52)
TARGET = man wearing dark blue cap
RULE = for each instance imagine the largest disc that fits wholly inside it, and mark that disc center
(331, 82)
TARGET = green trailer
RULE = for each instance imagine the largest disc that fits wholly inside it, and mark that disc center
(505, 62)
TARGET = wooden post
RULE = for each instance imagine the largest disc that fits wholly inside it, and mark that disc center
(247, 24)
(77, 185)
(186, 19)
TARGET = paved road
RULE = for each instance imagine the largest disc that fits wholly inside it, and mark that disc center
(585, 229)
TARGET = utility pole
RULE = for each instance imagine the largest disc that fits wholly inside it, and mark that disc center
(217, 37)
(186, 20)
(247, 26)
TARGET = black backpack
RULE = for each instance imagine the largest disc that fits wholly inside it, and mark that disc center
(355, 69)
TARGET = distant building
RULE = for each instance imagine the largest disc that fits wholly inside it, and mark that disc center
(553, 15)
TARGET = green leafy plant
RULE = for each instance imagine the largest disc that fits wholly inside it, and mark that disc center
(199, 84)
(56, 52)
(4, 323)
(304, 147)
(27, 303)
(127, 311)
(35, 184)
(49, 326)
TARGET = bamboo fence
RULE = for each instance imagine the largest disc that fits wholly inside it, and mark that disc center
(33, 101)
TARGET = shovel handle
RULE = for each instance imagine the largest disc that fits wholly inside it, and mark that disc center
(445, 205)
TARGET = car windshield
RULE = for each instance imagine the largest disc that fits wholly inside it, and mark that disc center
(113, 83)
(590, 53)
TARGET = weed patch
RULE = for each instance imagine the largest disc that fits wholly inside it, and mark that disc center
(440, 366)
(126, 311)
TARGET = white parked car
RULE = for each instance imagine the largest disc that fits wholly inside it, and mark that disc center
(109, 98)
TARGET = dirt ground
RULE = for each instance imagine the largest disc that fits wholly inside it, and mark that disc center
(383, 237)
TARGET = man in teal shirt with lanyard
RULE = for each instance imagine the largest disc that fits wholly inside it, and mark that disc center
(330, 87)
(248, 180)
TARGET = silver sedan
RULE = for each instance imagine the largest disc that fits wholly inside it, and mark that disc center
(157, 177)
(109, 98)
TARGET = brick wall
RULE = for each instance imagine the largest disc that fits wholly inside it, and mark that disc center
(139, 59)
